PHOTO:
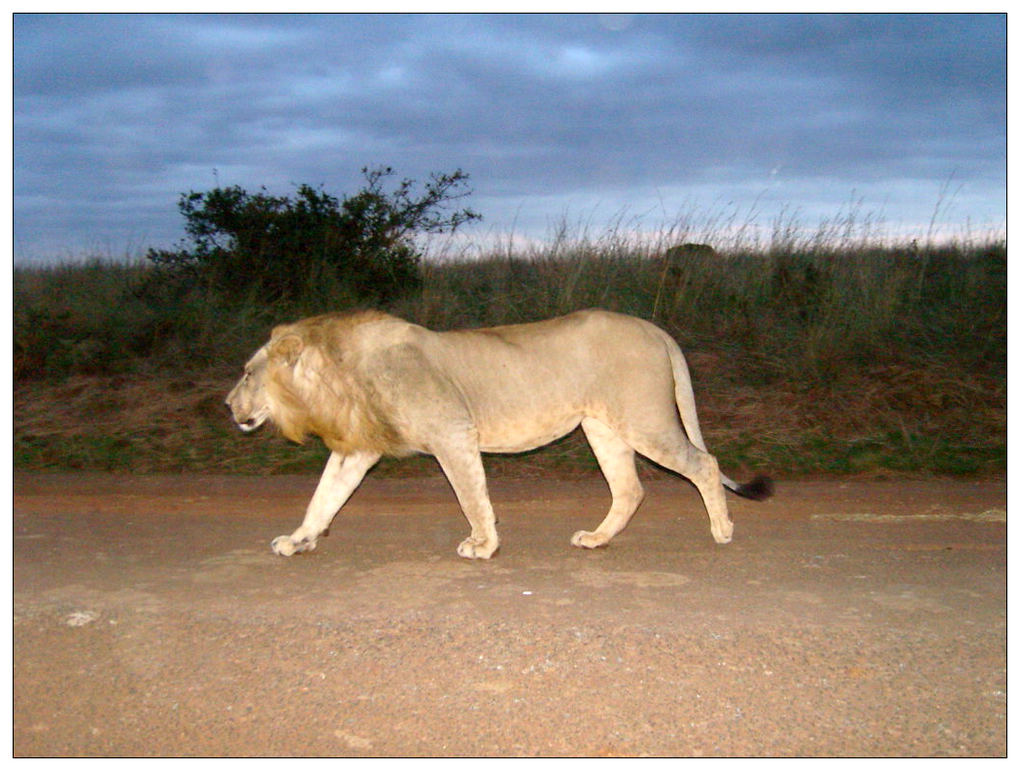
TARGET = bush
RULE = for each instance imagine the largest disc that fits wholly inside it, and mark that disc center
(280, 249)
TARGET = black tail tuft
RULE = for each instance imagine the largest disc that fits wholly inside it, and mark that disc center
(758, 489)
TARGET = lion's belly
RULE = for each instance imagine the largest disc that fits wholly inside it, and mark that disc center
(525, 433)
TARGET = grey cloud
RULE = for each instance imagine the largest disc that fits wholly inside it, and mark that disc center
(117, 111)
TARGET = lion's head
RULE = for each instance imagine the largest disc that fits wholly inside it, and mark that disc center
(306, 380)
(247, 400)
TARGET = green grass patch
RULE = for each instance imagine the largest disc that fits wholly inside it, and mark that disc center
(808, 356)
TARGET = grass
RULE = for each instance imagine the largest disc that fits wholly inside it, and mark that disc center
(828, 353)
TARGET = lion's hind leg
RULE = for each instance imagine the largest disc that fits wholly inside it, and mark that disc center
(343, 473)
(616, 459)
(703, 470)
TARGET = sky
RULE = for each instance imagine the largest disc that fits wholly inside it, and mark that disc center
(589, 121)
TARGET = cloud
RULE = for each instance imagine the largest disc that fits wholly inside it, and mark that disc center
(117, 115)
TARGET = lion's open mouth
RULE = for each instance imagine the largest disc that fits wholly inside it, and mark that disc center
(250, 424)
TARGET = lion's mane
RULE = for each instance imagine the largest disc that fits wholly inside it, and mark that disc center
(313, 386)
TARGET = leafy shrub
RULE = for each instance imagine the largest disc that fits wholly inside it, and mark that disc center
(276, 248)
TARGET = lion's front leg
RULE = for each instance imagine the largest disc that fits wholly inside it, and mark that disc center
(462, 463)
(342, 475)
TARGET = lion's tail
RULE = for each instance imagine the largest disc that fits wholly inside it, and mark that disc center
(757, 489)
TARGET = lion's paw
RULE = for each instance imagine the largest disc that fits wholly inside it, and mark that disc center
(285, 546)
(723, 533)
(588, 540)
(477, 550)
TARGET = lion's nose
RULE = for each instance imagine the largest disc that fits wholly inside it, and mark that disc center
(231, 413)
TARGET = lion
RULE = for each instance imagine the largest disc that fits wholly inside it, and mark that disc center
(370, 384)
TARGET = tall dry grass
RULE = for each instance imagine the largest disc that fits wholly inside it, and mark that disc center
(832, 350)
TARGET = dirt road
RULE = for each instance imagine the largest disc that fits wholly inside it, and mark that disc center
(846, 618)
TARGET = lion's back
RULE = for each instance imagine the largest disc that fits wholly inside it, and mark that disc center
(591, 329)
(603, 336)
(584, 355)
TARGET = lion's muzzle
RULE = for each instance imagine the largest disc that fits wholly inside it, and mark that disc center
(248, 417)
(249, 423)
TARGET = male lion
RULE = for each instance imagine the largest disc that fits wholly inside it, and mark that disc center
(370, 384)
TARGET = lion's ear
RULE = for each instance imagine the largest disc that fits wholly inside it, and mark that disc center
(288, 348)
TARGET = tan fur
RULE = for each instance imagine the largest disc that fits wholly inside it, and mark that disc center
(370, 385)
(323, 396)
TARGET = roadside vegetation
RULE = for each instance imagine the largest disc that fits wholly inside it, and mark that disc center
(827, 352)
